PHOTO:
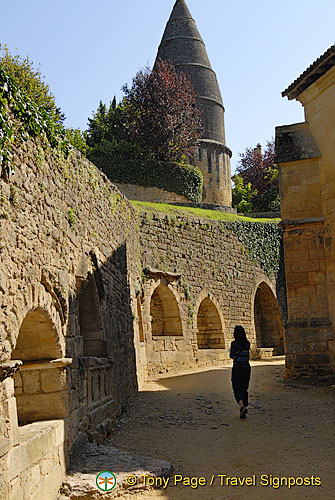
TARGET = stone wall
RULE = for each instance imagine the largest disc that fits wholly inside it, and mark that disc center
(69, 258)
(94, 298)
(305, 153)
(153, 194)
(211, 282)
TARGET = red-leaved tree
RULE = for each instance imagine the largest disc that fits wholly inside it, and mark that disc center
(258, 168)
(160, 113)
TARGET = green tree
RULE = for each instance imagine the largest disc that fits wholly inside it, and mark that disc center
(77, 139)
(106, 124)
(242, 195)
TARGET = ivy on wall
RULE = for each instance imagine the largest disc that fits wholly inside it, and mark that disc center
(21, 119)
(126, 163)
(263, 242)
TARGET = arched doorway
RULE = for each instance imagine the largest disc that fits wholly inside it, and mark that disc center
(40, 386)
(165, 313)
(268, 324)
(209, 325)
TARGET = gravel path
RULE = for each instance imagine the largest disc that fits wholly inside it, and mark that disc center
(193, 421)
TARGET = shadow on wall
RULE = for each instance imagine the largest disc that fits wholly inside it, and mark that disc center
(62, 399)
(268, 323)
(101, 341)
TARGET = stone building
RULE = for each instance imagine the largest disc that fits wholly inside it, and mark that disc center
(305, 153)
(183, 46)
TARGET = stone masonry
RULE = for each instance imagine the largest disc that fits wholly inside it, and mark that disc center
(94, 299)
(305, 154)
(198, 272)
(69, 256)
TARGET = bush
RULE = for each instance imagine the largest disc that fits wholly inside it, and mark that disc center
(20, 118)
(30, 82)
(126, 163)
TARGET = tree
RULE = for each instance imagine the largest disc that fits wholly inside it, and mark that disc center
(242, 195)
(31, 82)
(77, 138)
(160, 113)
(106, 124)
(258, 169)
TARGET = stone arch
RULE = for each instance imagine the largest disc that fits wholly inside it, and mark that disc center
(40, 384)
(209, 322)
(267, 319)
(165, 313)
(36, 298)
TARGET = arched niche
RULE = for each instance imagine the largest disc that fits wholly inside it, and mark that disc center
(140, 319)
(268, 323)
(90, 321)
(164, 311)
(37, 338)
(209, 326)
(39, 385)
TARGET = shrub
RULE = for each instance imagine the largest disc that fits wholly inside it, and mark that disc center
(123, 162)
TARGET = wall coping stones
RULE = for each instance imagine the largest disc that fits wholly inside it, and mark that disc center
(157, 272)
(295, 142)
(205, 206)
(299, 222)
(47, 364)
(307, 323)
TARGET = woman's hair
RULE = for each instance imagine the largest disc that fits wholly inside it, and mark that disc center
(239, 334)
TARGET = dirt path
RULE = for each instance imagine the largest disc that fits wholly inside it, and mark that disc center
(192, 421)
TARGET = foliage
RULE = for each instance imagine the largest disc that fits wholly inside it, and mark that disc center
(30, 82)
(127, 163)
(242, 195)
(259, 170)
(144, 139)
(20, 118)
(160, 113)
(77, 139)
(106, 124)
(182, 211)
(261, 237)
(263, 242)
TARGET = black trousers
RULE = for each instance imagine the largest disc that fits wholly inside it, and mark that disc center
(240, 378)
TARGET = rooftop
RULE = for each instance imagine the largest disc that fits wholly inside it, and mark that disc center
(311, 74)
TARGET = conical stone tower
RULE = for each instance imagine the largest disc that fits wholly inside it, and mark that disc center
(183, 46)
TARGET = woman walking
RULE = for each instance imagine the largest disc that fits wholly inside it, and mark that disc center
(239, 352)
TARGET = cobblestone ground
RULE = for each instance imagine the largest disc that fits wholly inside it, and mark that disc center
(193, 421)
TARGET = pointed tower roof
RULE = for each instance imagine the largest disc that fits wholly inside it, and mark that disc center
(183, 46)
(180, 9)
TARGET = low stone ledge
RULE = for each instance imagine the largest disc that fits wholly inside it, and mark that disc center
(44, 365)
(80, 483)
(36, 441)
(207, 206)
(262, 353)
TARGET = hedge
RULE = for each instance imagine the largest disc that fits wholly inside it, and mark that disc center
(127, 164)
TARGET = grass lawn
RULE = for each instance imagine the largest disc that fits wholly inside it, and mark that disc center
(146, 206)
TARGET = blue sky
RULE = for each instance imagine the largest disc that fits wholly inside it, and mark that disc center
(87, 50)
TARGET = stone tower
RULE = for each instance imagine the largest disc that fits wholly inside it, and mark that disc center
(183, 46)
